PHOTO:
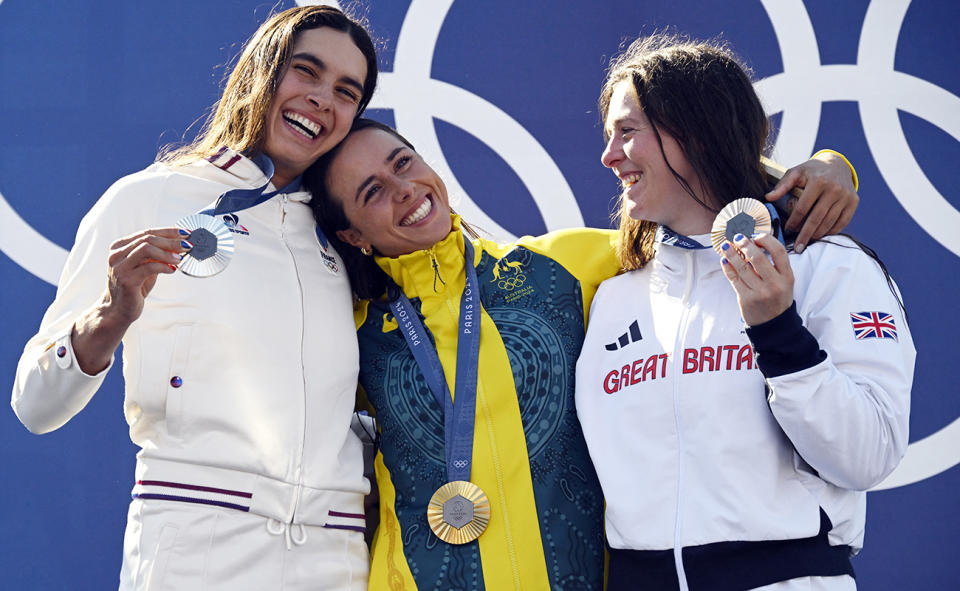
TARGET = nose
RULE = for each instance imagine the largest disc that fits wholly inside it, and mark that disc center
(612, 152)
(402, 190)
(321, 97)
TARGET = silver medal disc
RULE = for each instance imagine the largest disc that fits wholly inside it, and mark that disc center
(212, 245)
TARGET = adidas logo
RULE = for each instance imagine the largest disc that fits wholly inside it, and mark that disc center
(631, 336)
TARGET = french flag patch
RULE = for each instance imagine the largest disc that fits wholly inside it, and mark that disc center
(873, 325)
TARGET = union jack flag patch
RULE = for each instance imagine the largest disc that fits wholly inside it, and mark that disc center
(873, 325)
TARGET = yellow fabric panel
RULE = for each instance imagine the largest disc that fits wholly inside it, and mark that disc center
(389, 570)
(512, 555)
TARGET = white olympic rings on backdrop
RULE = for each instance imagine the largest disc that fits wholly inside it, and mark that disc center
(880, 91)
(416, 99)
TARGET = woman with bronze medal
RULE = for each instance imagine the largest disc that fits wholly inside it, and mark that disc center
(491, 487)
(239, 356)
(771, 387)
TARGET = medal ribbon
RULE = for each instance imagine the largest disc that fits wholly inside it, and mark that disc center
(667, 236)
(236, 200)
(460, 410)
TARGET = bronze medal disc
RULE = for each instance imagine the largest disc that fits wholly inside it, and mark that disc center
(458, 512)
(744, 216)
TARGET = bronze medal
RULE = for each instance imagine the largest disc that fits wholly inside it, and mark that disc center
(458, 512)
(744, 216)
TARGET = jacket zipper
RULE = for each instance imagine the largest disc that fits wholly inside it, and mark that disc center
(298, 472)
(677, 365)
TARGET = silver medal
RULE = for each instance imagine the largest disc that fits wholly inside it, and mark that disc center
(212, 245)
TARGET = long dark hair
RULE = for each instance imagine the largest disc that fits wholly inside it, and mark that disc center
(700, 94)
(239, 115)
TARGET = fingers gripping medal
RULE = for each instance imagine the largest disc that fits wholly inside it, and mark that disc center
(212, 245)
(744, 216)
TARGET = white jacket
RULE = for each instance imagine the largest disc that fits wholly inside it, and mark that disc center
(694, 446)
(266, 352)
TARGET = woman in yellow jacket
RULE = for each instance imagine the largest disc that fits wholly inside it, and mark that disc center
(525, 507)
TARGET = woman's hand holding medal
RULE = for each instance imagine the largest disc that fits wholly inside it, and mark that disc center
(134, 264)
(764, 285)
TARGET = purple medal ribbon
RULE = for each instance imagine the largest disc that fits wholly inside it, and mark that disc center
(459, 411)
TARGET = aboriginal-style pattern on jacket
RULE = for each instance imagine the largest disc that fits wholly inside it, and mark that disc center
(530, 457)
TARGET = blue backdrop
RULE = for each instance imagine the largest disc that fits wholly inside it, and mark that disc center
(500, 96)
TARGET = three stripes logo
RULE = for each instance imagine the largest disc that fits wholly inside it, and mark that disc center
(631, 336)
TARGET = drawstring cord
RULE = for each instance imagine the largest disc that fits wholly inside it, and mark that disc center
(276, 527)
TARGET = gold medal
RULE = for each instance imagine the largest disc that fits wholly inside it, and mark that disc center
(458, 512)
(744, 216)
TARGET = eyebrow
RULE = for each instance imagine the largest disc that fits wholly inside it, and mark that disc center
(318, 63)
(393, 154)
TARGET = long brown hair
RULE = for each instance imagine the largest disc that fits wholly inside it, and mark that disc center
(700, 94)
(238, 120)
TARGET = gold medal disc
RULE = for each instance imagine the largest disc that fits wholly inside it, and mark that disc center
(458, 512)
(744, 216)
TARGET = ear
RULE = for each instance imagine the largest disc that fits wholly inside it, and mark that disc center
(353, 237)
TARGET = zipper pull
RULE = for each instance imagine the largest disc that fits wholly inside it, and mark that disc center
(436, 270)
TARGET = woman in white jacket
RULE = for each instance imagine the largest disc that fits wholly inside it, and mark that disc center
(240, 386)
(734, 429)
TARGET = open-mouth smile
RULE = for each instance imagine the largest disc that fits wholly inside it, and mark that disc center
(303, 125)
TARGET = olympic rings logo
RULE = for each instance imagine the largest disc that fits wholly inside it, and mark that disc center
(880, 91)
(512, 282)
(460, 463)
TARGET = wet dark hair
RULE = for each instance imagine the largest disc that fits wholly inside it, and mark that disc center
(700, 94)
(367, 279)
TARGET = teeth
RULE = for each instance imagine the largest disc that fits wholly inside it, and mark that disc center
(629, 180)
(420, 213)
(305, 126)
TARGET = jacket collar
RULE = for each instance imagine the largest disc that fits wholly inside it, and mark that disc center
(433, 271)
(231, 168)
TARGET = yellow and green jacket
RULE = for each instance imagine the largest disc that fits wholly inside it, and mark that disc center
(529, 455)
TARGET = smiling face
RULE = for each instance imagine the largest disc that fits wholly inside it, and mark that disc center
(395, 203)
(315, 102)
(650, 191)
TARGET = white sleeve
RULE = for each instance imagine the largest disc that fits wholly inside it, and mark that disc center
(50, 388)
(846, 412)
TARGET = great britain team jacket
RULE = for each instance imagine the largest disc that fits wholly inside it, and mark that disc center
(529, 455)
(239, 387)
(732, 458)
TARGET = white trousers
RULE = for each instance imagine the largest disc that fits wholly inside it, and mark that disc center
(170, 545)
